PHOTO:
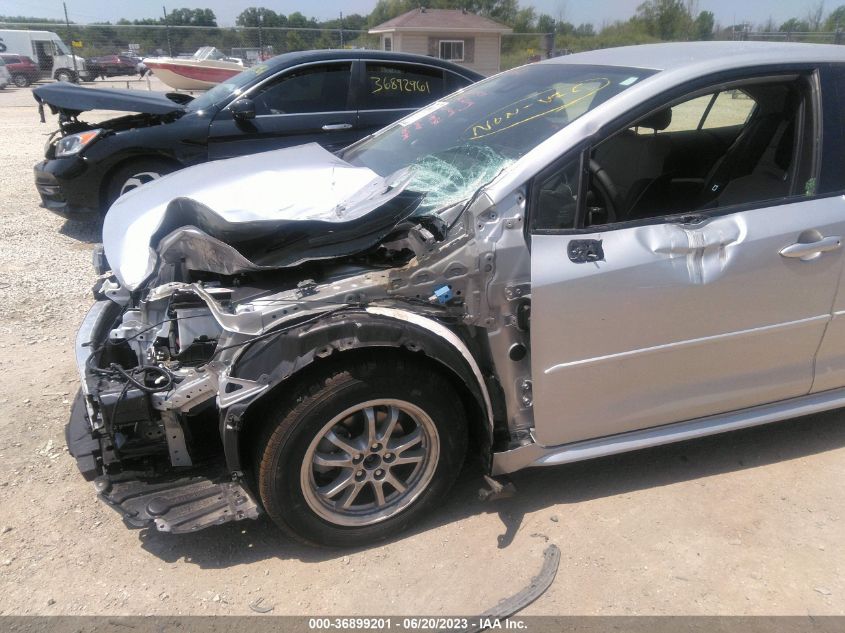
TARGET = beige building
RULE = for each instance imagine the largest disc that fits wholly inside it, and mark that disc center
(464, 38)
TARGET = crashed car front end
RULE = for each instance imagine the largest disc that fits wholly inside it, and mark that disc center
(186, 336)
(224, 283)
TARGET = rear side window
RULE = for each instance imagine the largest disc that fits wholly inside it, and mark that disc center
(11, 59)
(320, 88)
(454, 82)
(401, 86)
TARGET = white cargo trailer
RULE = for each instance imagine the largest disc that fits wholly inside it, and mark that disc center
(47, 50)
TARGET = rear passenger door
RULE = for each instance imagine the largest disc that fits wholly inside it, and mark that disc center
(390, 90)
(305, 104)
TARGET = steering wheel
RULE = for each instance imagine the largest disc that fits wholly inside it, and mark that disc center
(603, 185)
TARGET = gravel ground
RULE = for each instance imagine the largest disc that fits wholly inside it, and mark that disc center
(749, 523)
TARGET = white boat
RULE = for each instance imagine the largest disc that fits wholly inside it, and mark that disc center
(207, 68)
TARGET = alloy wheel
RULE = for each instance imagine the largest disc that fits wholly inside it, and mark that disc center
(136, 180)
(370, 462)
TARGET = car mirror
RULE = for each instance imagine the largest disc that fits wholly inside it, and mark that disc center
(243, 109)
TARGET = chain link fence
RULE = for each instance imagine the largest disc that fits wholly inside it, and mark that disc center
(253, 44)
(810, 37)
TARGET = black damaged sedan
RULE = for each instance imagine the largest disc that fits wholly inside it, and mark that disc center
(333, 98)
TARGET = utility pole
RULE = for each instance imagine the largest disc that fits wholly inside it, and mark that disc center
(260, 39)
(70, 37)
(341, 29)
(167, 31)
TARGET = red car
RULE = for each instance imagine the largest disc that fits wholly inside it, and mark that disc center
(22, 69)
(112, 66)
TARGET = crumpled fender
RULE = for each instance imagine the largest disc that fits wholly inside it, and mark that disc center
(275, 359)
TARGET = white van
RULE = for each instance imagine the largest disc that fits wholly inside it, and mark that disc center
(47, 49)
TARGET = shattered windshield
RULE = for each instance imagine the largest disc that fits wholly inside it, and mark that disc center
(457, 144)
(231, 87)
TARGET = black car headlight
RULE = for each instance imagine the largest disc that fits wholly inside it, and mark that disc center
(75, 143)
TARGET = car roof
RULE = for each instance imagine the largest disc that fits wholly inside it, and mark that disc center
(705, 56)
(298, 57)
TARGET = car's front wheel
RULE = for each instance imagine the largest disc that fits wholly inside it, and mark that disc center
(21, 80)
(133, 175)
(359, 452)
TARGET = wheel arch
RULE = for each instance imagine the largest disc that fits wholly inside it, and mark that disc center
(127, 159)
(294, 355)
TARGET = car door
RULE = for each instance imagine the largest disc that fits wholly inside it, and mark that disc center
(304, 104)
(674, 317)
(392, 90)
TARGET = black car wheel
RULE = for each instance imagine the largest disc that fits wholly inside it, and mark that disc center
(135, 174)
(65, 76)
(21, 80)
(360, 452)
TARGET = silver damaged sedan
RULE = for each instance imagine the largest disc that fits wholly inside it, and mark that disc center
(593, 254)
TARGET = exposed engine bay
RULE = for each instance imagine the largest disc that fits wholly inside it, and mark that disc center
(192, 328)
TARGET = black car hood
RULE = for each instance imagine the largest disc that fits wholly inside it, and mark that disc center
(71, 99)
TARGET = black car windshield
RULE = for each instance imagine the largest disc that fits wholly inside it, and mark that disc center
(457, 144)
(229, 88)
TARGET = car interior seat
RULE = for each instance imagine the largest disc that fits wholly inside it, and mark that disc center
(634, 160)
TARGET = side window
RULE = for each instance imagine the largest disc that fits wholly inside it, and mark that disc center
(731, 108)
(753, 145)
(686, 116)
(320, 88)
(554, 197)
(398, 86)
(728, 108)
(452, 50)
(454, 82)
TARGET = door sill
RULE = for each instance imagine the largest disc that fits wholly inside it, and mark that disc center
(532, 455)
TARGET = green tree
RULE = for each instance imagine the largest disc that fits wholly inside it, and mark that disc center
(545, 23)
(585, 30)
(388, 9)
(703, 26)
(192, 17)
(793, 25)
(836, 19)
(665, 19)
(259, 16)
(525, 20)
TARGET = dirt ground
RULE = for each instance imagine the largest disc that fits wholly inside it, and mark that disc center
(748, 523)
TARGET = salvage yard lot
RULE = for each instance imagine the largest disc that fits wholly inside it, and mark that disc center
(745, 523)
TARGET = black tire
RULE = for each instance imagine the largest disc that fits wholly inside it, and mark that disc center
(294, 423)
(119, 181)
(65, 76)
(21, 80)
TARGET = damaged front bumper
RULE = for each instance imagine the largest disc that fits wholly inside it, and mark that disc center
(184, 500)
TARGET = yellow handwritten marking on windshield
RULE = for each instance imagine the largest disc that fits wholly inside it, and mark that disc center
(532, 108)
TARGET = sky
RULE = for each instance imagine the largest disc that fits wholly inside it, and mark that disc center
(575, 11)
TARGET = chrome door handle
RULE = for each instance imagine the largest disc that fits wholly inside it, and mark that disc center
(331, 127)
(811, 250)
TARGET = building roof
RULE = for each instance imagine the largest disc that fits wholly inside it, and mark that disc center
(441, 20)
